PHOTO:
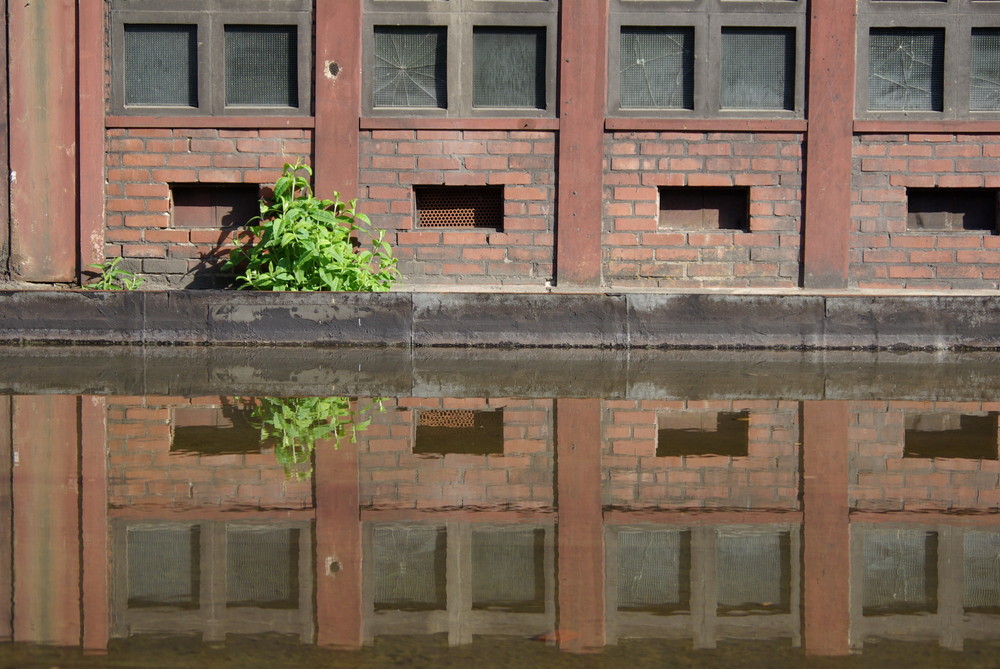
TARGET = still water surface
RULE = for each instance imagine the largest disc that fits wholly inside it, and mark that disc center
(692, 510)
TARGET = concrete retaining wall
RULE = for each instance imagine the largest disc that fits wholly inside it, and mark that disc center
(606, 320)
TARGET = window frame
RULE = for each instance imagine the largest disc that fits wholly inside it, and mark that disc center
(707, 19)
(957, 18)
(210, 17)
(459, 18)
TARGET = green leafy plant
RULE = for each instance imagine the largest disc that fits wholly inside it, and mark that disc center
(301, 242)
(114, 277)
(295, 424)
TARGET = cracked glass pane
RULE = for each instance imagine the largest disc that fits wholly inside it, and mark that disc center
(657, 68)
(758, 68)
(508, 67)
(984, 72)
(410, 67)
(906, 69)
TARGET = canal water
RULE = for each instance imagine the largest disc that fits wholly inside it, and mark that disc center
(383, 508)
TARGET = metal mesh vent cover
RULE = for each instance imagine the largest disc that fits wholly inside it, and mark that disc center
(906, 69)
(657, 68)
(161, 65)
(508, 67)
(984, 72)
(447, 418)
(459, 207)
(758, 68)
(262, 66)
(410, 67)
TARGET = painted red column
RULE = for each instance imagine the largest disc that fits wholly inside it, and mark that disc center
(95, 532)
(43, 151)
(826, 531)
(91, 132)
(579, 193)
(338, 97)
(339, 610)
(46, 520)
(6, 524)
(4, 159)
(827, 197)
(582, 625)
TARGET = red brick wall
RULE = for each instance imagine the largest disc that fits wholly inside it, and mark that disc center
(884, 254)
(143, 473)
(639, 253)
(523, 162)
(634, 477)
(141, 165)
(392, 476)
(881, 479)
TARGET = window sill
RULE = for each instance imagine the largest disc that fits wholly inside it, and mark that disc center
(902, 125)
(210, 122)
(465, 123)
(706, 124)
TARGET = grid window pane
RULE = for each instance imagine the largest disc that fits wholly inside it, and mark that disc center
(657, 68)
(163, 567)
(262, 567)
(508, 67)
(161, 65)
(758, 68)
(906, 69)
(410, 67)
(984, 72)
(262, 66)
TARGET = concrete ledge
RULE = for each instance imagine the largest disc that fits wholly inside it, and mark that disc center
(505, 320)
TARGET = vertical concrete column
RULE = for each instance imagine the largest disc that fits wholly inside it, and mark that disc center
(91, 131)
(339, 609)
(338, 97)
(583, 74)
(827, 211)
(826, 531)
(46, 520)
(43, 152)
(581, 525)
(95, 532)
(4, 159)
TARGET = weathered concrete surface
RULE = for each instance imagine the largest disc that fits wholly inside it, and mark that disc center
(503, 320)
(538, 372)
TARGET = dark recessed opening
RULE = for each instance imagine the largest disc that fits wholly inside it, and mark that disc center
(464, 431)
(705, 208)
(459, 206)
(214, 206)
(213, 431)
(951, 209)
(703, 433)
(951, 435)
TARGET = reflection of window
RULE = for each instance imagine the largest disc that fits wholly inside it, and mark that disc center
(212, 60)
(753, 571)
(460, 59)
(900, 572)
(940, 61)
(507, 569)
(262, 567)
(981, 573)
(409, 567)
(163, 566)
(709, 58)
(654, 570)
(702, 433)
(459, 431)
(951, 435)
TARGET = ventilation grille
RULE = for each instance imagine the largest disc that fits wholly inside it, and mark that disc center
(447, 418)
(261, 66)
(161, 65)
(460, 207)
(906, 69)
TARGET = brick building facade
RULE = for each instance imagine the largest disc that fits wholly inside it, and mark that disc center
(611, 143)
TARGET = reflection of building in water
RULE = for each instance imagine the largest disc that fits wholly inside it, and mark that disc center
(822, 523)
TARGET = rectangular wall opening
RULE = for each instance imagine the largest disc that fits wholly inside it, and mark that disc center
(687, 433)
(214, 205)
(465, 431)
(951, 435)
(459, 207)
(951, 209)
(694, 208)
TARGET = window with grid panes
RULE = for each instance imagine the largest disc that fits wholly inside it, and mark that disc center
(928, 59)
(707, 58)
(211, 57)
(460, 57)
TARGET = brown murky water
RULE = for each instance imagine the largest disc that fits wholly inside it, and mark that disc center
(711, 511)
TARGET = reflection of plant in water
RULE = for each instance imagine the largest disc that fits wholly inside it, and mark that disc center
(295, 424)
